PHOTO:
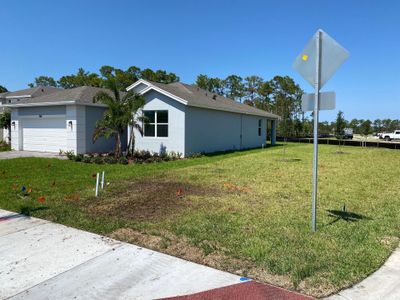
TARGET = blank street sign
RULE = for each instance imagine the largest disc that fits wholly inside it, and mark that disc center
(333, 56)
(327, 101)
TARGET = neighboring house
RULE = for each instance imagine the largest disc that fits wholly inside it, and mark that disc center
(186, 119)
(57, 119)
(15, 97)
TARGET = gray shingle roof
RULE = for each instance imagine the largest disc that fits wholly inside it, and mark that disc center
(198, 97)
(32, 92)
(80, 95)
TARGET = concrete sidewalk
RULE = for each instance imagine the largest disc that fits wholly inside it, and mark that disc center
(43, 260)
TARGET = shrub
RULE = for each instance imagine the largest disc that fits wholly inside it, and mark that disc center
(98, 160)
(78, 157)
(196, 155)
(172, 155)
(123, 160)
(87, 159)
(70, 155)
(145, 154)
(4, 146)
(110, 160)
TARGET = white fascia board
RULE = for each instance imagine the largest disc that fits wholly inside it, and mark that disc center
(137, 83)
(164, 92)
(39, 104)
(15, 105)
(16, 97)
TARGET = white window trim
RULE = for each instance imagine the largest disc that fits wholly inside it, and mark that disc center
(155, 125)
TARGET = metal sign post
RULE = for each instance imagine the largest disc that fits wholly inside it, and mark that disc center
(316, 117)
(319, 60)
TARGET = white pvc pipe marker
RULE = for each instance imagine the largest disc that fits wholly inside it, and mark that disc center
(102, 179)
(97, 184)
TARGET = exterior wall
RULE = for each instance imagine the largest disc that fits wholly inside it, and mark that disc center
(42, 110)
(15, 136)
(93, 114)
(273, 132)
(212, 130)
(176, 125)
(34, 112)
(75, 118)
(250, 137)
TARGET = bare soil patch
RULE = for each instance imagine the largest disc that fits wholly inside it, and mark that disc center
(151, 199)
(342, 152)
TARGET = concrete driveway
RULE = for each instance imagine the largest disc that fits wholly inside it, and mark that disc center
(17, 154)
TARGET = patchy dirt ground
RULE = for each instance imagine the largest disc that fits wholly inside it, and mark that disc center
(151, 199)
(168, 243)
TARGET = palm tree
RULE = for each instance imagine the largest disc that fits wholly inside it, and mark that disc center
(119, 115)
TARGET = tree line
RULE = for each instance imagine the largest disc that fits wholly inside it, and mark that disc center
(359, 126)
(124, 78)
(280, 95)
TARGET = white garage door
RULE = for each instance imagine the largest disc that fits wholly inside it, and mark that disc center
(44, 134)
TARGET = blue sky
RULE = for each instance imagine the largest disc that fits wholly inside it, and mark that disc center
(217, 38)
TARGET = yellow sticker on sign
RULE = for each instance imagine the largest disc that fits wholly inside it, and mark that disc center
(304, 57)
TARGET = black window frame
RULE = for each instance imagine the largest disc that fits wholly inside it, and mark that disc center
(156, 123)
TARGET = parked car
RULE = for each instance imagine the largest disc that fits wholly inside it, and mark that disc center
(391, 136)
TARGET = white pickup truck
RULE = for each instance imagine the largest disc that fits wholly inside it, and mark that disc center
(391, 136)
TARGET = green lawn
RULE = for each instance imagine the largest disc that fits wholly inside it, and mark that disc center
(245, 212)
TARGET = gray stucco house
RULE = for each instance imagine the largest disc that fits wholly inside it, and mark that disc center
(186, 119)
(52, 119)
(181, 118)
(13, 97)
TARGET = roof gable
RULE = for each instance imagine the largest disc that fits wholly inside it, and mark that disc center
(148, 86)
(192, 95)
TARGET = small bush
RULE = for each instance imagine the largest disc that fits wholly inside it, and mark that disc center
(110, 160)
(172, 155)
(78, 157)
(70, 155)
(86, 159)
(4, 146)
(98, 160)
(123, 160)
(196, 155)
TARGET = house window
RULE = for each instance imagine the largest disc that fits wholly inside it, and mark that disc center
(156, 124)
(259, 127)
